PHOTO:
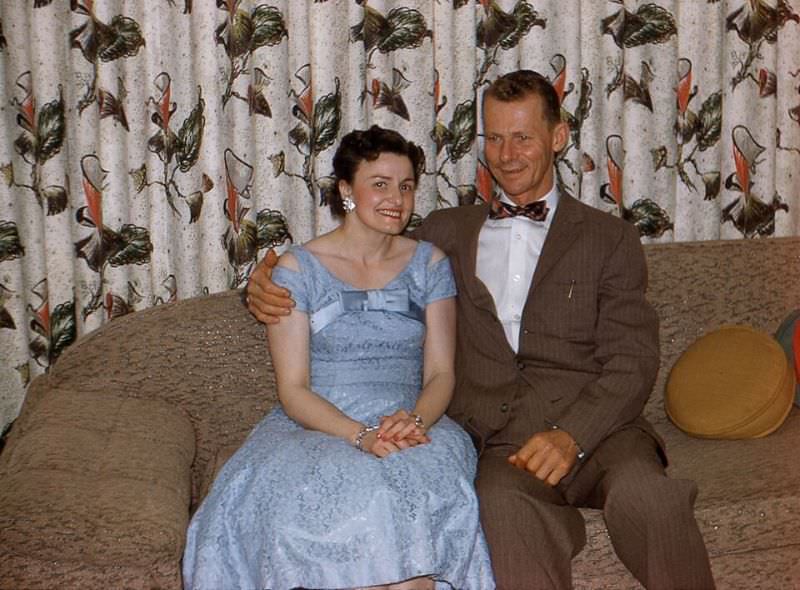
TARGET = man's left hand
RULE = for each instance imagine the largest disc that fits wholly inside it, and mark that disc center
(548, 455)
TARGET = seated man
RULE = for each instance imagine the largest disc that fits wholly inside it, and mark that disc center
(557, 352)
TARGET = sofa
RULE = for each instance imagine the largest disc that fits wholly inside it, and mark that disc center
(118, 443)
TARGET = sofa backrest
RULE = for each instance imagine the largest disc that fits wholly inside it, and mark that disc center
(208, 356)
(699, 286)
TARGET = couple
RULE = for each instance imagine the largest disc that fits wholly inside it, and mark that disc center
(360, 480)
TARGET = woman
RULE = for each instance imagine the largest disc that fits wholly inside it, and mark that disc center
(357, 479)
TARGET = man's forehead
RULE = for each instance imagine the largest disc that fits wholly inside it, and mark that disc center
(518, 114)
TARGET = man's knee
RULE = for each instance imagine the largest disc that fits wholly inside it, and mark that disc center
(532, 532)
(514, 504)
(507, 490)
(651, 498)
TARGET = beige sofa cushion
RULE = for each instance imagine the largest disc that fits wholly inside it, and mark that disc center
(98, 479)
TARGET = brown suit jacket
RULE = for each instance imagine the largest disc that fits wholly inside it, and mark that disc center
(588, 352)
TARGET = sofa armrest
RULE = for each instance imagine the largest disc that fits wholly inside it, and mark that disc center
(98, 480)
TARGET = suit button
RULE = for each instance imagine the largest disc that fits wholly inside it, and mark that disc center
(504, 408)
(526, 331)
(520, 365)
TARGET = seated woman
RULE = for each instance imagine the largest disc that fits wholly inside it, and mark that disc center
(357, 479)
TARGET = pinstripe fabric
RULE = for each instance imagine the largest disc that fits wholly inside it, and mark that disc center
(587, 360)
(589, 341)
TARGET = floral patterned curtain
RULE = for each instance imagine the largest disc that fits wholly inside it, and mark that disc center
(151, 150)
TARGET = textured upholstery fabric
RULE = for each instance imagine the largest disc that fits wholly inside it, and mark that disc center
(748, 505)
(734, 382)
(206, 359)
(99, 481)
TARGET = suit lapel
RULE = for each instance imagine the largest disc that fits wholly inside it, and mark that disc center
(475, 288)
(563, 232)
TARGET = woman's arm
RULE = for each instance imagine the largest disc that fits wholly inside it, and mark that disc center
(289, 347)
(438, 379)
(439, 370)
(289, 344)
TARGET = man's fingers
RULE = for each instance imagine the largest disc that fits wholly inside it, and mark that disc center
(276, 294)
(537, 461)
(270, 260)
(556, 475)
(260, 282)
(546, 465)
(532, 456)
(543, 457)
(524, 454)
(265, 319)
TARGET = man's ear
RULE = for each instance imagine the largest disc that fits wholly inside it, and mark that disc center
(560, 136)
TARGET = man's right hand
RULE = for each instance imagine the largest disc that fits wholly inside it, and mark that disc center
(266, 300)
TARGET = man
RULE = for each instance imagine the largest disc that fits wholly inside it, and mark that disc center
(557, 352)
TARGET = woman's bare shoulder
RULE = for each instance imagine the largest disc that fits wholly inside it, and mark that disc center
(289, 260)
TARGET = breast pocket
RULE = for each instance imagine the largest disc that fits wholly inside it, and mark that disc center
(567, 309)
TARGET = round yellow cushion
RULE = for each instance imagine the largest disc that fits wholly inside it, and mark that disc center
(732, 383)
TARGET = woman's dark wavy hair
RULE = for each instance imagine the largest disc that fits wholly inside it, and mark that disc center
(520, 84)
(367, 145)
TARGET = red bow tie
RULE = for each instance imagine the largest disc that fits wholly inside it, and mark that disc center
(537, 211)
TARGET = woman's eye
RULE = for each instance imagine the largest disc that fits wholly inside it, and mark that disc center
(380, 184)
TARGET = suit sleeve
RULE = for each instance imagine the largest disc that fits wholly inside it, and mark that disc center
(626, 348)
(433, 229)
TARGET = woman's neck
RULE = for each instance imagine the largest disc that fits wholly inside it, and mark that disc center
(363, 244)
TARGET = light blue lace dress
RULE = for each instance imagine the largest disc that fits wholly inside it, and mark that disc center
(299, 508)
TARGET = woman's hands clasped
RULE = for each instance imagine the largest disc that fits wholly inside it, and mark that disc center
(395, 433)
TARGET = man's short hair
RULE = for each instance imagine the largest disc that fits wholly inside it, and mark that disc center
(520, 84)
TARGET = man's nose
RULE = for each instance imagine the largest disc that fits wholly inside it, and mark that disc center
(506, 151)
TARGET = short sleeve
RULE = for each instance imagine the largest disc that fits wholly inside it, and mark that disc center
(440, 283)
(294, 281)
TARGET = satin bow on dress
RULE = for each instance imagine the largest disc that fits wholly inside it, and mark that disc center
(394, 300)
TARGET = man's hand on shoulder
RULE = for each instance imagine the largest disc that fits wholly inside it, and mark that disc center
(266, 300)
(548, 455)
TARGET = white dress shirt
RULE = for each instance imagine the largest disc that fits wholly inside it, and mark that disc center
(508, 252)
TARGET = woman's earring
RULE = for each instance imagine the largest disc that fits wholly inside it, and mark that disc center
(348, 204)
